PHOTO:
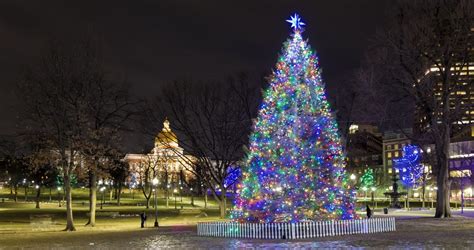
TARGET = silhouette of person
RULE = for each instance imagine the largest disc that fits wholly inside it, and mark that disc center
(143, 219)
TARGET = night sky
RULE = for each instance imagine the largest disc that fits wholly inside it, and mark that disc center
(149, 43)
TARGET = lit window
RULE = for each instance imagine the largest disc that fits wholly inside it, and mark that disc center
(395, 146)
(396, 154)
(389, 155)
(389, 170)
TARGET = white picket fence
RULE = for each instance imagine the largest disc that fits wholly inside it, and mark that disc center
(300, 230)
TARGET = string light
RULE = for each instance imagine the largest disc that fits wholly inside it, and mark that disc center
(367, 180)
(409, 166)
(294, 170)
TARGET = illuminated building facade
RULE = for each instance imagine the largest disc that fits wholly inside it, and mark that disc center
(165, 161)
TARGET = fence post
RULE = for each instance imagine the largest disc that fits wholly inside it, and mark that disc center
(379, 225)
(256, 230)
(342, 225)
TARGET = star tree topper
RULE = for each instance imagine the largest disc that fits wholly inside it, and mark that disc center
(296, 22)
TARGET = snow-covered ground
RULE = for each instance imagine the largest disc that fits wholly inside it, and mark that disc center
(415, 229)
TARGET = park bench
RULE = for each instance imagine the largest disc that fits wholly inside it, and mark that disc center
(4, 199)
(129, 215)
(41, 221)
(189, 211)
(105, 214)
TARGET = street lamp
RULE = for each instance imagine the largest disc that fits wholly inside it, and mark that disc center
(373, 193)
(181, 196)
(102, 189)
(59, 196)
(353, 177)
(175, 191)
(365, 194)
(25, 184)
(155, 185)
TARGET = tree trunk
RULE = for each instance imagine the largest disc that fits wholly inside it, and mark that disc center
(205, 199)
(167, 197)
(15, 197)
(222, 203)
(147, 202)
(38, 193)
(92, 198)
(26, 194)
(119, 193)
(442, 200)
(50, 191)
(67, 190)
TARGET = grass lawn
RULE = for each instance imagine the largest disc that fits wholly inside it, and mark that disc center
(21, 221)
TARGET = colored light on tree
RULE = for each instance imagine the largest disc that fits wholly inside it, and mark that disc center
(367, 180)
(295, 166)
(409, 166)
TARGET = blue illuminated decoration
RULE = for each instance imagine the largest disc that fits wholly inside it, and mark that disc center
(296, 22)
(409, 166)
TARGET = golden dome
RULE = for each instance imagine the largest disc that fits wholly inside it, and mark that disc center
(166, 136)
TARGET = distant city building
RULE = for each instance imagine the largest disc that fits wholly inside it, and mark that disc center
(364, 150)
(461, 163)
(392, 144)
(461, 98)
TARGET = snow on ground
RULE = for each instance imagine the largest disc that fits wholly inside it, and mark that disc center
(415, 229)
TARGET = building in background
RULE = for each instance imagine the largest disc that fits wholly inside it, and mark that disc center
(392, 144)
(461, 164)
(461, 98)
(165, 161)
(364, 150)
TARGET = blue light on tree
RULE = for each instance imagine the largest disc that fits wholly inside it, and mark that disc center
(409, 166)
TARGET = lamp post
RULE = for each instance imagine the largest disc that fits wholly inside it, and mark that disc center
(155, 185)
(175, 191)
(102, 189)
(59, 196)
(373, 194)
(26, 189)
(365, 194)
(181, 196)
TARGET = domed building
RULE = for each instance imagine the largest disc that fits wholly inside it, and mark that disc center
(166, 162)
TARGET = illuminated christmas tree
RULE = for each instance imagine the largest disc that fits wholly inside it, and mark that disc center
(409, 166)
(294, 169)
(367, 179)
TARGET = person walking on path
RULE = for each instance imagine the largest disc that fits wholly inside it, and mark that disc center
(143, 219)
(369, 212)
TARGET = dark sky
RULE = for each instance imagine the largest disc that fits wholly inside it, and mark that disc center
(155, 41)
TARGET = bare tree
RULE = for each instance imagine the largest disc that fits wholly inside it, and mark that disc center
(213, 121)
(422, 54)
(148, 169)
(55, 99)
(119, 171)
(109, 106)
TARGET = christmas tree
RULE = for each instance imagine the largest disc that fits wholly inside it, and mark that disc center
(409, 166)
(294, 169)
(367, 179)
